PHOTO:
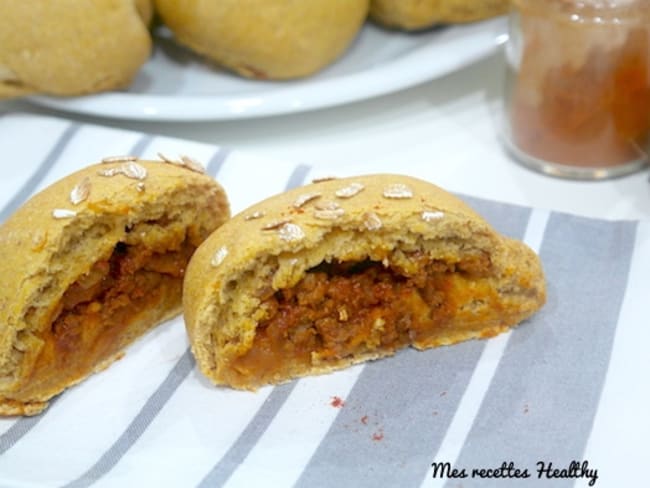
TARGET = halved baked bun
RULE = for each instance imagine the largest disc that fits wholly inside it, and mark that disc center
(90, 264)
(347, 270)
(67, 47)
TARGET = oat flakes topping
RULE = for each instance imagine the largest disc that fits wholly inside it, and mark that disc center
(80, 192)
(329, 214)
(324, 178)
(305, 198)
(290, 232)
(430, 215)
(276, 224)
(63, 213)
(255, 215)
(192, 164)
(219, 256)
(130, 170)
(109, 172)
(118, 159)
(134, 170)
(165, 159)
(349, 191)
(372, 221)
(327, 205)
(398, 191)
(328, 210)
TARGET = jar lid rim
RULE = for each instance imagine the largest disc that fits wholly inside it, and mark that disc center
(590, 11)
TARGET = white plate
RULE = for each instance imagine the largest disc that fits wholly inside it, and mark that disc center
(178, 85)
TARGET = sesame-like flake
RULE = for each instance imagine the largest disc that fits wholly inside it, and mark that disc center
(81, 191)
(398, 191)
(432, 215)
(134, 171)
(130, 170)
(109, 172)
(305, 198)
(165, 159)
(140, 187)
(63, 213)
(371, 221)
(328, 210)
(192, 164)
(258, 214)
(327, 205)
(324, 178)
(349, 191)
(276, 224)
(219, 256)
(118, 159)
(329, 214)
(290, 232)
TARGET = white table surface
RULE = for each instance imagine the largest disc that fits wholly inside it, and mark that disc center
(450, 123)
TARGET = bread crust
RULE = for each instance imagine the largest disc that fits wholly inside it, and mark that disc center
(66, 47)
(421, 14)
(50, 242)
(282, 39)
(275, 242)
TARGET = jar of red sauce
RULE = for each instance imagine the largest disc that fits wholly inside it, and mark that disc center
(577, 100)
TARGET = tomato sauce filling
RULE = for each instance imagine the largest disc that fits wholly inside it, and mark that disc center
(343, 309)
(96, 314)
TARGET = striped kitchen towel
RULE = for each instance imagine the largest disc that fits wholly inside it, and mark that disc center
(560, 401)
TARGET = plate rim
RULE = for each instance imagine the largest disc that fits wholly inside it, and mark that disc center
(289, 100)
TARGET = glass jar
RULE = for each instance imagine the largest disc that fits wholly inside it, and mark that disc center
(577, 101)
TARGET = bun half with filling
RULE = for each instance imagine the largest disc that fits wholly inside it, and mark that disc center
(90, 264)
(343, 271)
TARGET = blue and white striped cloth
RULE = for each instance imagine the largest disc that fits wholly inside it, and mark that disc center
(566, 386)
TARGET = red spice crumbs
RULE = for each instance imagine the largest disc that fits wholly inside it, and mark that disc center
(337, 402)
(377, 436)
(364, 420)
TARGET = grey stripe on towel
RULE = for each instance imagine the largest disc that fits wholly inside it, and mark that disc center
(548, 383)
(25, 191)
(139, 424)
(23, 425)
(227, 465)
(229, 462)
(398, 411)
(163, 393)
(217, 161)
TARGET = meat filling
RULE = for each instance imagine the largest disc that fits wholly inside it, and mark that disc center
(96, 313)
(347, 309)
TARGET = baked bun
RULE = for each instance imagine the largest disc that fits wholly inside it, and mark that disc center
(347, 270)
(420, 14)
(266, 40)
(90, 264)
(67, 47)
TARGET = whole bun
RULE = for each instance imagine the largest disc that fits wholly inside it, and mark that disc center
(420, 14)
(67, 47)
(266, 40)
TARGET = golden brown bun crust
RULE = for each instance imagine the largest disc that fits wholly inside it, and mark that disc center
(66, 47)
(420, 14)
(41, 256)
(261, 39)
(227, 271)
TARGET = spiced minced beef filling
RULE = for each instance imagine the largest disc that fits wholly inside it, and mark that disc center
(342, 309)
(97, 310)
